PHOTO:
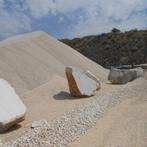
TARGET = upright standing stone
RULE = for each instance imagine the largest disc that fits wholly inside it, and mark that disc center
(80, 84)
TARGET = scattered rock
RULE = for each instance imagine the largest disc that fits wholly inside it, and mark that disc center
(81, 84)
(123, 76)
(40, 123)
(12, 110)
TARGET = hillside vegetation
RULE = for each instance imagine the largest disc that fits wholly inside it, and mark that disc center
(114, 48)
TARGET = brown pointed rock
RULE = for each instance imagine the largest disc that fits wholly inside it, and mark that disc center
(12, 110)
(81, 84)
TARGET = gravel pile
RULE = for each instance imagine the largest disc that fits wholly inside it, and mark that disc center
(67, 128)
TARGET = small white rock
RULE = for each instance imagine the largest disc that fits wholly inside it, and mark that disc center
(40, 123)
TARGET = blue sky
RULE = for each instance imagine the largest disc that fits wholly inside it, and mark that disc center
(70, 18)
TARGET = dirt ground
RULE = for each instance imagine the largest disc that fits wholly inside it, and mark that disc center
(48, 101)
(124, 125)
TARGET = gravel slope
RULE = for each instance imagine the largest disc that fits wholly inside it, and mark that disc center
(28, 61)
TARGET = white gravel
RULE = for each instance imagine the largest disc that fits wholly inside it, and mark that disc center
(67, 128)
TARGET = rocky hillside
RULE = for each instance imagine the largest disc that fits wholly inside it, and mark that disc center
(114, 48)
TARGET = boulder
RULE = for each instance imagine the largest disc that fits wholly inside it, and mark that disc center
(81, 84)
(12, 110)
(123, 76)
(139, 72)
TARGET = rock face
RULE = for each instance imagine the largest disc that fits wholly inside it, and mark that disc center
(122, 76)
(81, 84)
(12, 110)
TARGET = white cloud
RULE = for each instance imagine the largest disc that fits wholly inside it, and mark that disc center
(97, 15)
(105, 15)
(111, 8)
(1, 3)
(61, 19)
(66, 6)
(12, 22)
(99, 25)
(40, 8)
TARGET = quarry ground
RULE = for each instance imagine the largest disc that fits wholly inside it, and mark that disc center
(35, 66)
(48, 102)
(122, 125)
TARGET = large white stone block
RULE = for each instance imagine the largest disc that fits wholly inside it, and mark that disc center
(12, 109)
(81, 84)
